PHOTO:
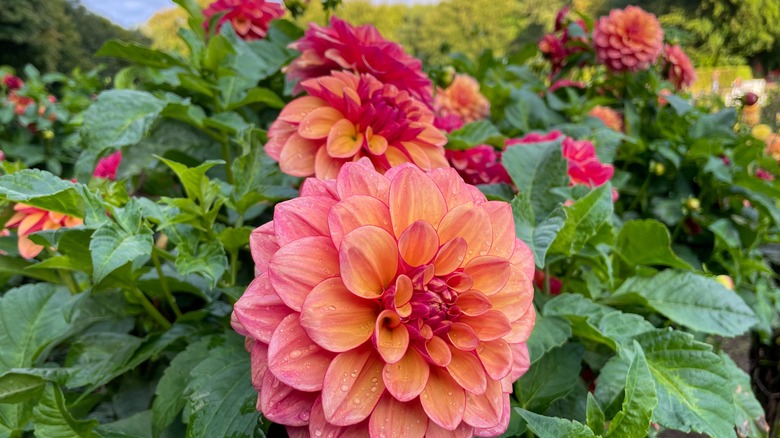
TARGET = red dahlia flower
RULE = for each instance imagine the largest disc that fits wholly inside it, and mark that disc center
(13, 82)
(388, 305)
(346, 117)
(361, 49)
(249, 18)
(679, 70)
(479, 165)
(584, 166)
(462, 99)
(628, 39)
(107, 166)
(29, 219)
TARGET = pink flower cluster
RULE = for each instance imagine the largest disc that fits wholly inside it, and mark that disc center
(559, 45)
(249, 18)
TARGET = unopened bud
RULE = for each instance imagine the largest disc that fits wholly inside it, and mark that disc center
(749, 99)
(448, 75)
(657, 168)
(48, 134)
(693, 204)
(726, 281)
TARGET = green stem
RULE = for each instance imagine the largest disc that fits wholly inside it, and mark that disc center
(234, 255)
(640, 196)
(547, 279)
(150, 309)
(67, 278)
(164, 283)
(228, 161)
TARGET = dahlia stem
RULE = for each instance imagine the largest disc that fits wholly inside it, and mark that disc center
(67, 278)
(150, 309)
(228, 161)
(164, 283)
(234, 255)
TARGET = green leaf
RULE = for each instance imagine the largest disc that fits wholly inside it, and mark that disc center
(134, 426)
(539, 236)
(583, 220)
(550, 378)
(691, 300)
(53, 420)
(221, 399)
(595, 416)
(549, 332)
(597, 322)
(20, 387)
(639, 400)
(169, 400)
(474, 134)
(112, 246)
(207, 260)
(138, 54)
(96, 356)
(554, 427)
(694, 393)
(258, 95)
(119, 118)
(194, 179)
(15, 265)
(44, 190)
(32, 320)
(536, 169)
(647, 242)
(750, 419)
(217, 50)
(235, 238)
(257, 179)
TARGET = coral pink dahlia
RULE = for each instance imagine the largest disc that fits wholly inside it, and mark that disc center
(249, 18)
(388, 305)
(479, 165)
(608, 116)
(361, 49)
(628, 39)
(346, 117)
(584, 166)
(462, 99)
(29, 219)
(678, 67)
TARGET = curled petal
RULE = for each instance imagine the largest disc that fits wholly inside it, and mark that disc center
(352, 386)
(259, 358)
(297, 156)
(440, 384)
(414, 196)
(406, 378)
(291, 350)
(503, 423)
(325, 166)
(296, 268)
(369, 261)
(473, 303)
(515, 297)
(418, 244)
(318, 123)
(392, 338)
(394, 419)
(343, 140)
(337, 319)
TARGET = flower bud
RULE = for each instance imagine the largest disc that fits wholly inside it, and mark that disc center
(726, 281)
(48, 134)
(658, 169)
(693, 204)
(749, 99)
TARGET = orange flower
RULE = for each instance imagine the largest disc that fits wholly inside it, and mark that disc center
(29, 219)
(394, 304)
(346, 117)
(772, 142)
(628, 39)
(610, 117)
(462, 99)
(678, 67)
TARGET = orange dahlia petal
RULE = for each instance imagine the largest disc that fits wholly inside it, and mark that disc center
(296, 268)
(503, 225)
(414, 196)
(302, 217)
(473, 225)
(292, 350)
(354, 212)
(297, 156)
(299, 108)
(368, 259)
(336, 319)
(394, 419)
(403, 290)
(27, 248)
(451, 186)
(450, 256)
(318, 123)
(406, 378)
(282, 404)
(463, 336)
(489, 326)
(462, 431)
(417, 154)
(485, 410)
(418, 243)
(466, 369)
(352, 386)
(496, 358)
(473, 303)
(325, 166)
(260, 310)
(32, 223)
(343, 140)
(489, 273)
(320, 428)
(521, 329)
(263, 245)
(439, 351)
(360, 178)
(441, 386)
(392, 337)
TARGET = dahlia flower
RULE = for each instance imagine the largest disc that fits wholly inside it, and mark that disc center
(678, 67)
(628, 39)
(556, 46)
(462, 99)
(107, 166)
(772, 142)
(388, 305)
(448, 123)
(584, 166)
(608, 116)
(479, 165)
(12, 82)
(345, 117)
(29, 219)
(361, 49)
(249, 18)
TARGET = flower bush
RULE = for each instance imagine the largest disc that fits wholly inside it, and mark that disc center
(167, 271)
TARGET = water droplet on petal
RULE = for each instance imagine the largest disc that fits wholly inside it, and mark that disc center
(295, 354)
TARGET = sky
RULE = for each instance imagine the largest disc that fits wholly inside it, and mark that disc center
(133, 13)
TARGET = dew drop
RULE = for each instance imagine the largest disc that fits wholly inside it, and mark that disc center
(344, 388)
(356, 401)
(331, 308)
(318, 432)
(295, 354)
